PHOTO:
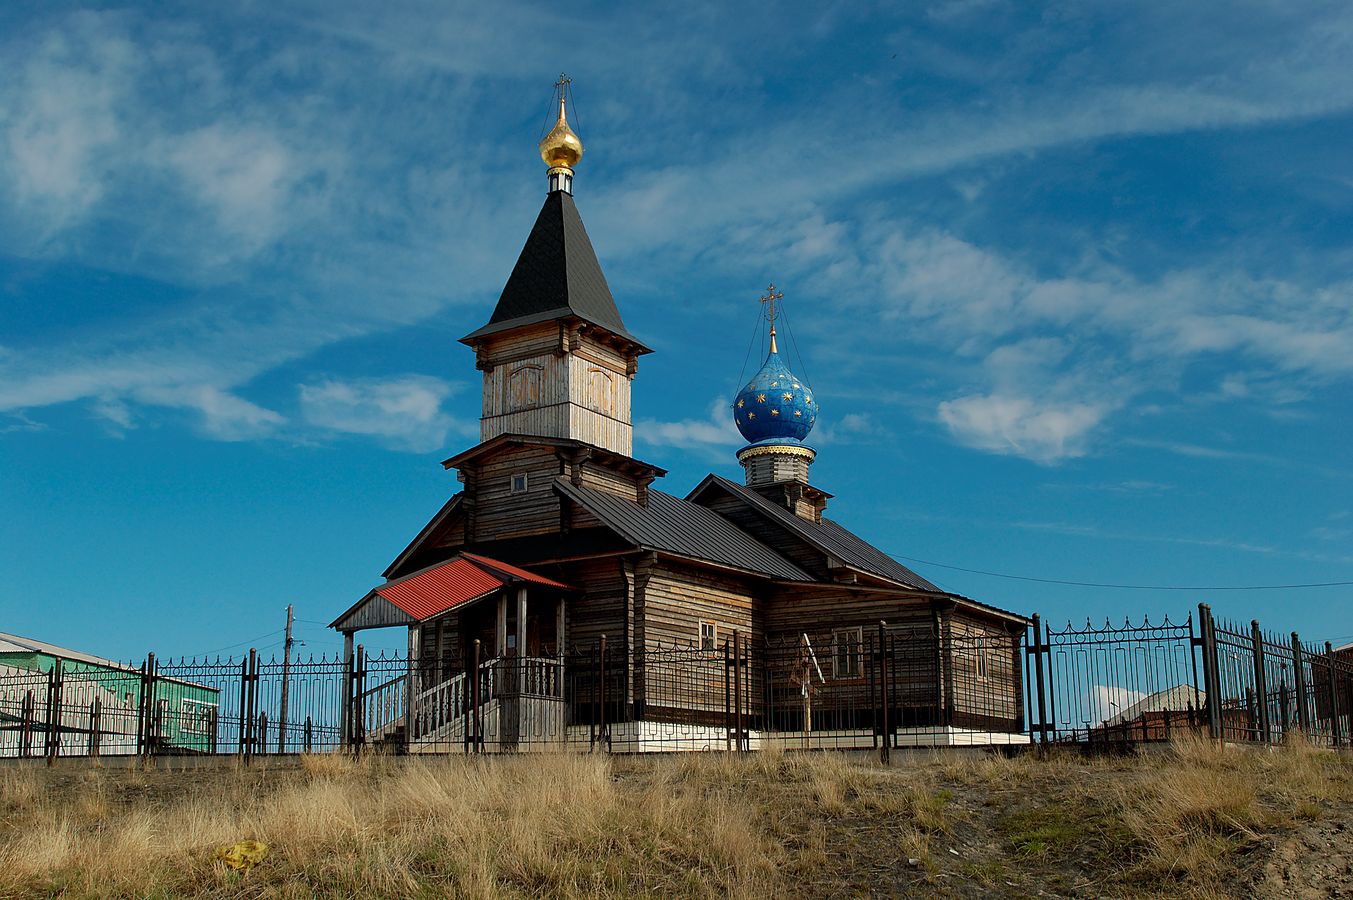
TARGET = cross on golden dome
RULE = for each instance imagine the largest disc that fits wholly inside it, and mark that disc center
(561, 147)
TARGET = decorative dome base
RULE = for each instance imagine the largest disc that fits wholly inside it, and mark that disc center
(767, 463)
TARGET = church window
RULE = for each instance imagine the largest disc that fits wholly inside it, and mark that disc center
(523, 386)
(709, 634)
(847, 659)
(980, 654)
(601, 391)
(518, 483)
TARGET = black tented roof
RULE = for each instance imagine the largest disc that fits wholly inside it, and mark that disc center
(556, 276)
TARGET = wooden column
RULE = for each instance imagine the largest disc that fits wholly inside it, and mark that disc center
(500, 635)
(559, 635)
(521, 621)
(412, 684)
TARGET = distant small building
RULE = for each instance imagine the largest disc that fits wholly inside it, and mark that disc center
(1156, 717)
(100, 703)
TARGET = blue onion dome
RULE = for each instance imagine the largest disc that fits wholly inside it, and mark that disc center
(775, 407)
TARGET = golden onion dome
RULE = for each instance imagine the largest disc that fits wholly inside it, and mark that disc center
(561, 146)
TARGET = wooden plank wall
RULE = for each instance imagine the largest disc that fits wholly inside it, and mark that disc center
(499, 513)
(678, 598)
(999, 694)
(603, 607)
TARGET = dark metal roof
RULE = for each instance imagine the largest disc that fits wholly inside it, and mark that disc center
(828, 537)
(556, 276)
(683, 528)
(601, 454)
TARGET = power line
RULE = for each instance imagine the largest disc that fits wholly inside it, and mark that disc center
(1131, 587)
(241, 643)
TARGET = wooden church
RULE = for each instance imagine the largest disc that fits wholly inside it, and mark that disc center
(560, 536)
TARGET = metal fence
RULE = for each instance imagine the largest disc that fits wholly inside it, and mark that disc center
(863, 688)
(1142, 683)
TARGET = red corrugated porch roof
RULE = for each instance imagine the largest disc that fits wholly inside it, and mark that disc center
(447, 585)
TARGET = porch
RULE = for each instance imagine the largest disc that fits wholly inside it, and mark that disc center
(484, 668)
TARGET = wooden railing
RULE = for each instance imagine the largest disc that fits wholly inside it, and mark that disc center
(382, 707)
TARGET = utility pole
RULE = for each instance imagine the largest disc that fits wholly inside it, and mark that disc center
(286, 679)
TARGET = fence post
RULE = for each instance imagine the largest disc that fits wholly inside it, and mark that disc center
(1333, 692)
(95, 726)
(358, 731)
(885, 744)
(1038, 653)
(602, 734)
(345, 712)
(251, 705)
(244, 699)
(1299, 682)
(1260, 682)
(737, 691)
(1210, 672)
(54, 704)
(263, 732)
(141, 714)
(308, 734)
(26, 725)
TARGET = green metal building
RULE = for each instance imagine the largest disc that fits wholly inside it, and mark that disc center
(99, 703)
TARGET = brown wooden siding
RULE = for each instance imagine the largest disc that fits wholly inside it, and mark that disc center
(499, 513)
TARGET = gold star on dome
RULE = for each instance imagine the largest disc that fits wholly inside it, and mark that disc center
(787, 396)
(739, 403)
(798, 414)
(775, 384)
(774, 412)
(751, 415)
(760, 398)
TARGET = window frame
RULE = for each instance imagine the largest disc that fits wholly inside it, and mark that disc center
(713, 634)
(206, 709)
(525, 483)
(854, 656)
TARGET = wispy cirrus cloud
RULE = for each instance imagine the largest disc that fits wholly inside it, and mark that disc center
(300, 179)
(405, 413)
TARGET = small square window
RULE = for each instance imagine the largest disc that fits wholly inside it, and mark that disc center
(709, 635)
(519, 483)
(847, 657)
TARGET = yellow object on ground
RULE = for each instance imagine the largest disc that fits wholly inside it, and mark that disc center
(243, 855)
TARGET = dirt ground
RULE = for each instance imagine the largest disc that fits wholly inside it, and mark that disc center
(1183, 824)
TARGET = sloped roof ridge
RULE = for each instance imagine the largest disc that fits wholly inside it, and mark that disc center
(830, 537)
(675, 525)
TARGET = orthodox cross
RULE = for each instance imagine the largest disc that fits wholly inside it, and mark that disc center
(770, 299)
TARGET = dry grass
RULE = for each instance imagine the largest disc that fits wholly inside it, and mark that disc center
(770, 824)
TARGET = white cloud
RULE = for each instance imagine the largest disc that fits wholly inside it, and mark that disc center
(405, 413)
(223, 415)
(1045, 433)
(713, 437)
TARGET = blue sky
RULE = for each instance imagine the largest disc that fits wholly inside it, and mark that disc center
(1073, 284)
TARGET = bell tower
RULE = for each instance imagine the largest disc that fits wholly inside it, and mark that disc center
(556, 358)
